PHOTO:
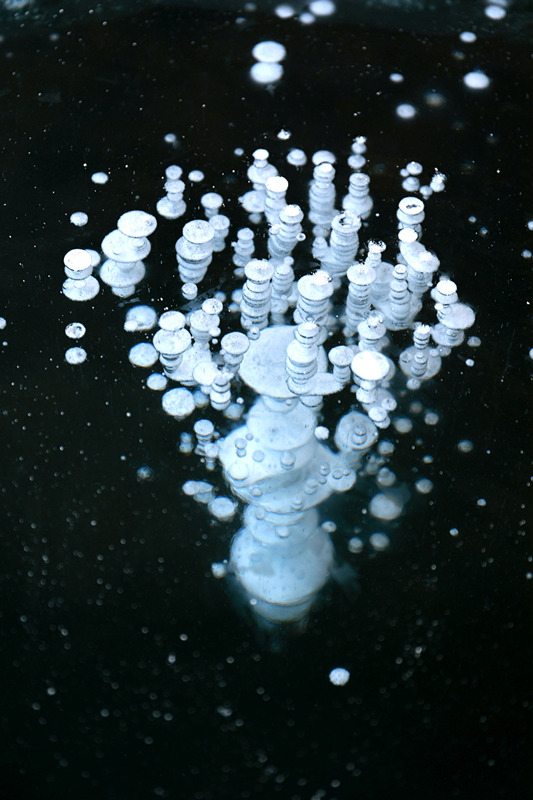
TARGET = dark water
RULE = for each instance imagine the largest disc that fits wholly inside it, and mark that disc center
(128, 673)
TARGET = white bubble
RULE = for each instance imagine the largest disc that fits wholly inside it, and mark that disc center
(296, 157)
(171, 138)
(403, 424)
(396, 77)
(189, 291)
(323, 157)
(283, 135)
(3, 323)
(75, 355)
(178, 403)
(473, 341)
(219, 570)
(75, 330)
(431, 418)
(454, 532)
(321, 433)
(465, 446)
(196, 175)
(143, 355)
(157, 382)
(468, 37)
(223, 508)
(476, 79)
(495, 12)
(284, 11)
(355, 544)
(79, 218)
(339, 676)
(266, 73)
(306, 18)
(100, 177)
(424, 486)
(322, 8)
(405, 111)
(379, 541)
(482, 502)
(384, 506)
(145, 473)
(140, 318)
(269, 52)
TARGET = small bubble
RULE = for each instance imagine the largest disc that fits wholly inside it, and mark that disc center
(79, 218)
(263, 72)
(476, 79)
(468, 37)
(355, 544)
(339, 676)
(379, 541)
(482, 502)
(495, 12)
(75, 330)
(196, 176)
(406, 111)
(424, 486)
(145, 473)
(100, 177)
(322, 8)
(454, 532)
(75, 355)
(396, 77)
(284, 11)
(465, 446)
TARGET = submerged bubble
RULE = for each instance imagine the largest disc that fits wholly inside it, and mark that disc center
(406, 111)
(143, 355)
(269, 52)
(476, 79)
(140, 318)
(379, 541)
(322, 8)
(100, 177)
(75, 355)
(75, 330)
(339, 676)
(79, 218)
(263, 72)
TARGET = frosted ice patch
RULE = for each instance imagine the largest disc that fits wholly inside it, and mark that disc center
(339, 676)
(143, 355)
(75, 355)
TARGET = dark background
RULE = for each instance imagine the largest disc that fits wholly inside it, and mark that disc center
(128, 672)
